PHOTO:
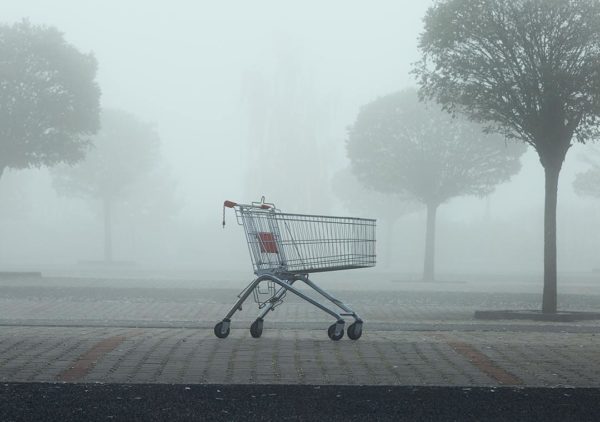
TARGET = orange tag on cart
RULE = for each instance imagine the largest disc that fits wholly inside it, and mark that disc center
(267, 242)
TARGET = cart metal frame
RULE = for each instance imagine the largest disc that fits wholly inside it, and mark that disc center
(285, 248)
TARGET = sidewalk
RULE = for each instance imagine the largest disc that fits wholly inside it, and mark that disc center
(55, 334)
(118, 355)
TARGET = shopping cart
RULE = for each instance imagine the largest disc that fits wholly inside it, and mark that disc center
(285, 248)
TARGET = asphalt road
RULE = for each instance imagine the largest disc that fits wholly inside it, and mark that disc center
(167, 402)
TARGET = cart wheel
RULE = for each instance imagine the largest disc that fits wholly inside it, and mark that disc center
(219, 330)
(256, 328)
(331, 333)
(355, 330)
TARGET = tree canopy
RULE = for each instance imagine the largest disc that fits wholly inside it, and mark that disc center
(360, 200)
(49, 100)
(529, 69)
(587, 183)
(388, 207)
(399, 145)
(123, 167)
(125, 150)
(403, 146)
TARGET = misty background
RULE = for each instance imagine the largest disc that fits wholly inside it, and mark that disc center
(252, 99)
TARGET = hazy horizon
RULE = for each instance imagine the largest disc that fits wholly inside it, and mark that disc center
(198, 71)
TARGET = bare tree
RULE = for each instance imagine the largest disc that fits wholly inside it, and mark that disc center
(529, 69)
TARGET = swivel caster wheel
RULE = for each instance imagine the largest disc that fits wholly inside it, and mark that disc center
(332, 334)
(222, 329)
(355, 330)
(256, 328)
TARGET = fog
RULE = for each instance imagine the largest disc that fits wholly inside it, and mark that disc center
(253, 99)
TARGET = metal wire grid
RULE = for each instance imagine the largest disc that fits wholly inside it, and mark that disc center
(299, 243)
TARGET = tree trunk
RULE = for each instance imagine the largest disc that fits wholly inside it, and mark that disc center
(107, 231)
(428, 267)
(549, 300)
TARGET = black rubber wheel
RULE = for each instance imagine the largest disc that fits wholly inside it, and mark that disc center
(256, 328)
(355, 331)
(331, 333)
(219, 330)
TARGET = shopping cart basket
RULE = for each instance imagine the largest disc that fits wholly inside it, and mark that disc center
(285, 248)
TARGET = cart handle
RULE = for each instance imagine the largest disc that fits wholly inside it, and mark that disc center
(261, 205)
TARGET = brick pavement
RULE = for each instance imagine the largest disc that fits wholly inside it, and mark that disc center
(281, 356)
(118, 336)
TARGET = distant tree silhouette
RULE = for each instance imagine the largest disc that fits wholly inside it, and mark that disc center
(49, 100)
(367, 202)
(587, 183)
(289, 125)
(123, 167)
(529, 69)
(400, 145)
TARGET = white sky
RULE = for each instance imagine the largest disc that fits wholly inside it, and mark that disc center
(180, 64)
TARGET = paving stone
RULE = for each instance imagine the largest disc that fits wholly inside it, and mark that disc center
(410, 339)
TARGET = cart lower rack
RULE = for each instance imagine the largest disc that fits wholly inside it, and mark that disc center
(285, 248)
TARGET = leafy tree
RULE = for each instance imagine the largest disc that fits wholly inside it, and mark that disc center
(123, 161)
(399, 145)
(529, 69)
(588, 183)
(49, 100)
(388, 207)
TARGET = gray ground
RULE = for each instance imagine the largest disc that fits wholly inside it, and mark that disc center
(127, 331)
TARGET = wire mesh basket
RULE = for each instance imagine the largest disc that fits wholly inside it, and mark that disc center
(301, 243)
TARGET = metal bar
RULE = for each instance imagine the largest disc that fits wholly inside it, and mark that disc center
(337, 302)
(300, 294)
(276, 297)
(243, 296)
